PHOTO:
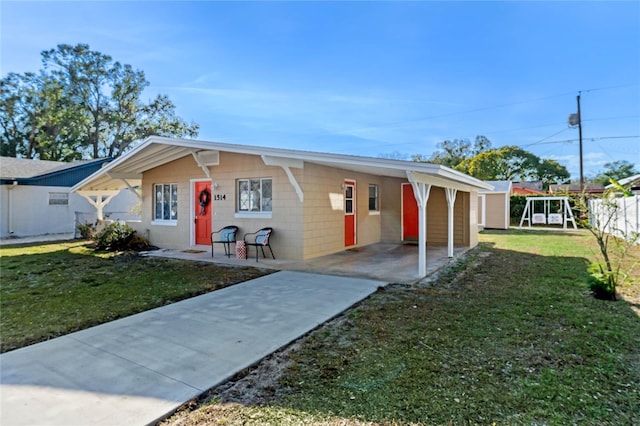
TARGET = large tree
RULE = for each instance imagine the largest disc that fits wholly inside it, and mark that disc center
(616, 170)
(451, 153)
(481, 161)
(513, 163)
(82, 104)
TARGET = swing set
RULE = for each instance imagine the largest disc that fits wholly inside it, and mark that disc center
(555, 211)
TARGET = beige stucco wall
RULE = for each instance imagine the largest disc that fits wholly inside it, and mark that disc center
(472, 220)
(495, 211)
(286, 218)
(463, 219)
(301, 230)
(324, 209)
(391, 210)
(179, 172)
(437, 218)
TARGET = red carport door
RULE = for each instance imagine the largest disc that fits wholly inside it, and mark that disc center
(349, 213)
(409, 214)
(203, 207)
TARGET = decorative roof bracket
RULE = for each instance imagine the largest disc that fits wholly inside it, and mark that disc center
(286, 164)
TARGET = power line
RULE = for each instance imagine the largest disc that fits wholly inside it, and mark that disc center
(612, 118)
(544, 139)
(610, 87)
(588, 139)
(495, 106)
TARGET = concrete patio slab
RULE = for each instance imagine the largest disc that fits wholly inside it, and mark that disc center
(135, 370)
(389, 262)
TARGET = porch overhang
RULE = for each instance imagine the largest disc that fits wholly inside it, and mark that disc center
(127, 171)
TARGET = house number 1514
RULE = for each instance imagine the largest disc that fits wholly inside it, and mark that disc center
(220, 197)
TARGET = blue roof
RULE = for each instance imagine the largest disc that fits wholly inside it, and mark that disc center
(46, 173)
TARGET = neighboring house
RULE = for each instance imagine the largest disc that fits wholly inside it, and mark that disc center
(494, 206)
(574, 188)
(35, 197)
(518, 189)
(317, 203)
(536, 186)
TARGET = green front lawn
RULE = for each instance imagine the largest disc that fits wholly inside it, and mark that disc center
(509, 335)
(53, 289)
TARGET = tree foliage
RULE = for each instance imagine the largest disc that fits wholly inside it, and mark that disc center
(451, 153)
(616, 170)
(606, 222)
(81, 104)
(481, 161)
(515, 164)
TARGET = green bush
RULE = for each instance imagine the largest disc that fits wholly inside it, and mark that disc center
(87, 230)
(114, 237)
(601, 283)
(517, 204)
(139, 243)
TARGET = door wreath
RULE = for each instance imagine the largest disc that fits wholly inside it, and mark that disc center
(205, 199)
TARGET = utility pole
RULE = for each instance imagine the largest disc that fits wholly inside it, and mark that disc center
(580, 139)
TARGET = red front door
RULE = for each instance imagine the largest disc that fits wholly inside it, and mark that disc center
(203, 207)
(349, 213)
(409, 213)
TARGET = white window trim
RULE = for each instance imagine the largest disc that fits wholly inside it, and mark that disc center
(253, 215)
(374, 212)
(162, 222)
(55, 196)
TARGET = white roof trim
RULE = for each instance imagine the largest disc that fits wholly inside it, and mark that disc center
(624, 181)
(155, 151)
(499, 187)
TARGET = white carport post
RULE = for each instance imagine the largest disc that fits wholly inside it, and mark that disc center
(101, 199)
(451, 200)
(421, 191)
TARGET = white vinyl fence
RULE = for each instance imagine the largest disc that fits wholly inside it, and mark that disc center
(621, 219)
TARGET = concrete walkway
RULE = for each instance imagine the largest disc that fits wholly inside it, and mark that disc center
(135, 370)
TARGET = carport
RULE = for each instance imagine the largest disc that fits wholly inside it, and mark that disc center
(311, 200)
(391, 263)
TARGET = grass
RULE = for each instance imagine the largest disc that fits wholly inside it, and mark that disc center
(49, 290)
(509, 335)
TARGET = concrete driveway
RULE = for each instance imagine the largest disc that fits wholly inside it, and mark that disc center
(135, 370)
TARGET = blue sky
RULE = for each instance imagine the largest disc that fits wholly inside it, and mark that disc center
(369, 78)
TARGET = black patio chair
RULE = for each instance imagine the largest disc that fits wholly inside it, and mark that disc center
(259, 239)
(224, 236)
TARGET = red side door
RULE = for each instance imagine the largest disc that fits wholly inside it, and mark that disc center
(349, 213)
(409, 213)
(203, 207)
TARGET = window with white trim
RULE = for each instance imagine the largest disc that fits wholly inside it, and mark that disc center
(254, 195)
(58, 198)
(165, 202)
(374, 199)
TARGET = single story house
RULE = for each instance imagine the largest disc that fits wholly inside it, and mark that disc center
(575, 188)
(35, 197)
(494, 205)
(517, 188)
(317, 203)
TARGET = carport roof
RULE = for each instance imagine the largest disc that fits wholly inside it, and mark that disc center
(155, 151)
